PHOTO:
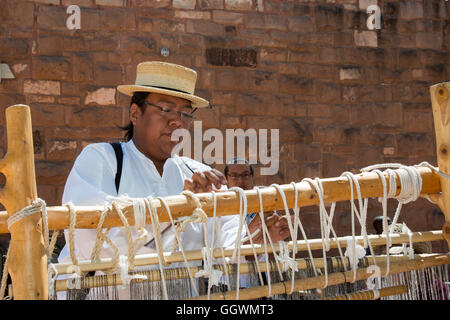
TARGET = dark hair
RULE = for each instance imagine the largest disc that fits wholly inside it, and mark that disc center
(379, 219)
(237, 161)
(139, 99)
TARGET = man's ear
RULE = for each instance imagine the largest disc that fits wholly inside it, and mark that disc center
(135, 113)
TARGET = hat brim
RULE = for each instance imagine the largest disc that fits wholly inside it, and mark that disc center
(197, 102)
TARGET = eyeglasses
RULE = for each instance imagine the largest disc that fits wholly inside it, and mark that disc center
(245, 175)
(185, 118)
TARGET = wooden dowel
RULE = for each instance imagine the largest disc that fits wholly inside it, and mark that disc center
(27, 260)
(246, 250)
(335, 189)
(182, 273)
(333, 279)
(440, 100)
(371, 294)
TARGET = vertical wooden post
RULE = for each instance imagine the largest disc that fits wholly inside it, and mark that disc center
(27, 263)
(440, 99)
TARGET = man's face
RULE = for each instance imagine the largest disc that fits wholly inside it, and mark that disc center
(153, 127)
(239, 175)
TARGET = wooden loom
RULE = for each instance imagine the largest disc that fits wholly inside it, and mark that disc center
(28, 261)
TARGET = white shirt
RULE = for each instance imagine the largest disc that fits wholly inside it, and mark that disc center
(92, 180)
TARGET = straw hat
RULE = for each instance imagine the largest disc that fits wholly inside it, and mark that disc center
(165, 78)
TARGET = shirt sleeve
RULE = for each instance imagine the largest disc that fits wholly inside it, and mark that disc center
(91, 179)
(90, 182)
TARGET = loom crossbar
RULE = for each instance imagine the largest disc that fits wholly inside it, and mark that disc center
(333, 279)
(336, 189)
(246, 250)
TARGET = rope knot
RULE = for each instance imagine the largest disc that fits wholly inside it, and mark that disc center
(36, 205)
(124, 274)
(198, 215)
(354, 252)
(284, 258)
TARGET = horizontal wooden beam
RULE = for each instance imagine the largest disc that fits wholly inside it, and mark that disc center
(228, 202)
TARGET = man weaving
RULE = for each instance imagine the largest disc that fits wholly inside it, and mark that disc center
(162, 100)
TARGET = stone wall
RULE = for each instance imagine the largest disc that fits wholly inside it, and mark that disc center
(342, 95)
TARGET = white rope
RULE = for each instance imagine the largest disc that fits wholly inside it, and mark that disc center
(219, 241)
(177, 237)
(208, 271)
(288, 262)
(199, 216)
(362, 213)
(52, 274)
(298, 223)
(237, 246)
(139, 213)
(214, 275)
(37, 205)
(158, 245)
(410, 188)
(266, 253)
(352, 214)
(439, 172)
(355, 254)
(124, 274)
(323, 222)
(376, 294)
(325, 225)
(407, 250)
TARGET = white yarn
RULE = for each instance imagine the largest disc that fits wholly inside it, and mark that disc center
(52, 274)
(214, 275)
(261, 215)
(325, 225)
(237, 249)
(426, 164)
(199, 216)
(124, 274)
(298, 224)
(154, 219)
(177, 236)
(219, 241)
(376, 294)
(353, 254)
(266, 236)
(35, 206)
(139, 212)
(410, 188)
(286, 261)
(356, 253)
(362, 213)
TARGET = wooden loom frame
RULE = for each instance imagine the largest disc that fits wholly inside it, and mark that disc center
(28, 262)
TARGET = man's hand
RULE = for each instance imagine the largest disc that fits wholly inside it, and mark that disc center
(276, 224)
(203, 181)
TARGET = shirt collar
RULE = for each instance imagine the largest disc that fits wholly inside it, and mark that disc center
(130, 144)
